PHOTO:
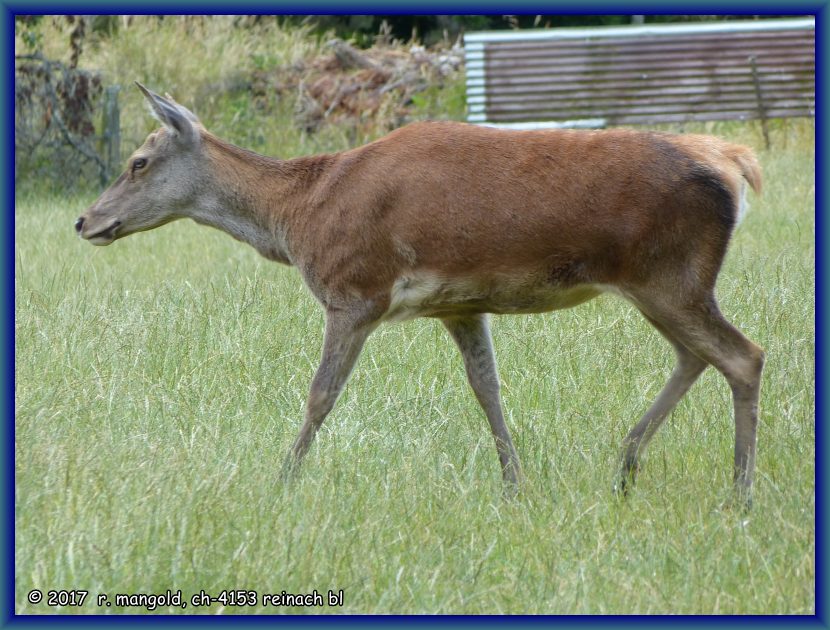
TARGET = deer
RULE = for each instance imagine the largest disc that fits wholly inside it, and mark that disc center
(459, 222)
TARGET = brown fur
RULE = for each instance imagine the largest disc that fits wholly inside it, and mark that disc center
(455, 221)
(499, 202)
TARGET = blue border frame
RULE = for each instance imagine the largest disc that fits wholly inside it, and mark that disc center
(822, 19)
(7, 554)
(495, 7)
(7, 12)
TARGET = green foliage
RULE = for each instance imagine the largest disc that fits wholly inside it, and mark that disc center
(448, 102)
(160, 381)
(365, 30)
(207, 74)
(26, 32)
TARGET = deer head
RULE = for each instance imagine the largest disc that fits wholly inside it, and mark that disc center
(162, 181)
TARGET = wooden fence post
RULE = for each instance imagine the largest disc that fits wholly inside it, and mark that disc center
(762, 110)
(111, 134)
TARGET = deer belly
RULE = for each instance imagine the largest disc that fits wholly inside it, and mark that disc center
(426, 295)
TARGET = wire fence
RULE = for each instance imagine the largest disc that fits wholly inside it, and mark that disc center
(66, 125)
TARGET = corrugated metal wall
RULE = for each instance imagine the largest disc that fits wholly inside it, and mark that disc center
(650, 74)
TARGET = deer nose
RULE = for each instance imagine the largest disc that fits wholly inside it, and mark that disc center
(79, 224)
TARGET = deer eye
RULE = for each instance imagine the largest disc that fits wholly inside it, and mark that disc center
(139, 163)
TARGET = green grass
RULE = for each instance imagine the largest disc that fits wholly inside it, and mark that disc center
(160, 382)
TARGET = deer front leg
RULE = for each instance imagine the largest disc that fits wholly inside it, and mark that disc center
(472, 336)
(345, 334)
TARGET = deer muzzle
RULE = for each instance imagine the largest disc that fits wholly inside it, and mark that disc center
(97, 232)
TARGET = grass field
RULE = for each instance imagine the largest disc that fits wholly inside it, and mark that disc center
(160, 381)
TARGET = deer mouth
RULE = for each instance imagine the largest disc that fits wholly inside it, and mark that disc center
(105, 236)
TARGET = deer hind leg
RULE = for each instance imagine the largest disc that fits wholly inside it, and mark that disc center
(689, 367)
(700, 327)
(344, 339)
(472, 336)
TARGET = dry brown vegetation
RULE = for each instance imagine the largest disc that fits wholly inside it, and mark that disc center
(344, 85)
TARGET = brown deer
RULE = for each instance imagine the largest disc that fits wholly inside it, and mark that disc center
(455, 221)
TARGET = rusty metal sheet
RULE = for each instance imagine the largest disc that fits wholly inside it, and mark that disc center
(670, 74)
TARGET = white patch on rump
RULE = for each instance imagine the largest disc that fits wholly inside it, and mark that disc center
(743, 205)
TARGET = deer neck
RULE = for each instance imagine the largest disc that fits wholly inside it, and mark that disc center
(253, 197)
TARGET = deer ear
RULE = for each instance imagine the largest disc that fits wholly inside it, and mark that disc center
(173, 116)
(193, 118)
